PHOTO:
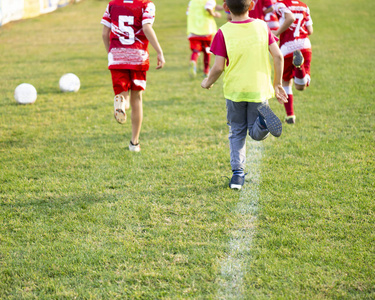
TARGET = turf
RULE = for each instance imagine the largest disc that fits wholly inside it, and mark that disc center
(82, 217)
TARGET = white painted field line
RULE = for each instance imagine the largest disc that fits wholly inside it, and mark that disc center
(231, 284)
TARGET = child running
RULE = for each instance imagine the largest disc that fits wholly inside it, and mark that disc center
(201, 27)
(241, 48)
(295, 28)
(126, 33)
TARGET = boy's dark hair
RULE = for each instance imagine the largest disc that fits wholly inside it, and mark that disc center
(238, 7)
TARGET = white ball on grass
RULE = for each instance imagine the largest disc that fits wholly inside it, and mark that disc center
(69, 83)
(25, 93)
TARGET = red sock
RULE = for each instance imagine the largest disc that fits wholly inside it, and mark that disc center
(194, 56)
(206, 60)
(289, 106)
(300, 73)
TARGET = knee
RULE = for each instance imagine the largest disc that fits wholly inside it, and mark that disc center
(300, 87)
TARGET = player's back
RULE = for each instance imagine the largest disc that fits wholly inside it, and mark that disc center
(127, 18)
(128, 47)
(298, 30)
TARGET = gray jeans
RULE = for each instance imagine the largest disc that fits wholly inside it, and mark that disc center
(242, 117)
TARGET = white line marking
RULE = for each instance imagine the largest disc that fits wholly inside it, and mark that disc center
(231, 284)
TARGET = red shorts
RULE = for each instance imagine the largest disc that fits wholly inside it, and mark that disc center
(289, 68)
(199, 44)
(124, 80)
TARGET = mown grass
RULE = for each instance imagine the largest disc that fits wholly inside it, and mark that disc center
(83, 217)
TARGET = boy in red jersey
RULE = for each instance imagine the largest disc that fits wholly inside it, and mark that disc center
(295, 28)
(126, 33)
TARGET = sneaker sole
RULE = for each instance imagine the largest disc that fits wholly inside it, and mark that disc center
(134, 149)
(120, 114)
(235, 186)
(274, 125)
(298, 59)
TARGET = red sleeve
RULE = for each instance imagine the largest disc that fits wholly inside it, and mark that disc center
(267, 3)
(218, 45)
(271, 37)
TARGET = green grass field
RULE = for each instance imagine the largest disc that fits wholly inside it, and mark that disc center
(82, 217)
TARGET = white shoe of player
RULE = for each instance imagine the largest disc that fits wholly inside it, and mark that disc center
(119, 107)
(134, 148)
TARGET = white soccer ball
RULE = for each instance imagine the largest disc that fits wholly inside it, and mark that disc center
(25, 93)
(69, 83)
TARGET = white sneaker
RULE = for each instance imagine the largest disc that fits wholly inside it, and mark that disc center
(134, 148)
(119, 106)
(290, 119)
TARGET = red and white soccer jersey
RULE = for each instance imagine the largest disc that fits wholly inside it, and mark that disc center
(296, 36)
(128, 47)
(257, 11)
(271, 19)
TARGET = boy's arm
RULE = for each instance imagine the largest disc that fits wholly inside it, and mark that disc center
(289, 20)
(278, 62)
(215, 14)
(151, 36)
(310, 29)
(105, 36)
(215, 72)
(268, 10)
(219, 7)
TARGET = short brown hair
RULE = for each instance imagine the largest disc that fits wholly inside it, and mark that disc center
(238, 7)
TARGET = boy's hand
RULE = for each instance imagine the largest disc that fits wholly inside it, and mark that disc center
(204, 84)
(280, 94)
(217, 14)
(161, 61)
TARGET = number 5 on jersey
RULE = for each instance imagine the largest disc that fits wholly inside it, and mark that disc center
(129, 20)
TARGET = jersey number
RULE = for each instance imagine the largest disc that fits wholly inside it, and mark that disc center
(299, 18)
(129, 20)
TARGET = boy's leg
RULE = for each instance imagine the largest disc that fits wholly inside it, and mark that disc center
(302, 73)
(207, 54)
(127, 100)
(289, 109)
(256, 130)
(121, 84)
(196, 48)
(268, 120)
(137, 86)
(136, 115)
(287, 85)
(206, 61)
(237, 122)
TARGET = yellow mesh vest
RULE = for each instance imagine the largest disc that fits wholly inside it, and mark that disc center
(248, 75)
(199, 21)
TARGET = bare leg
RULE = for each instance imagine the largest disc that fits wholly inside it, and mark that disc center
(300, 87)
(126, 97)
(137, 115)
